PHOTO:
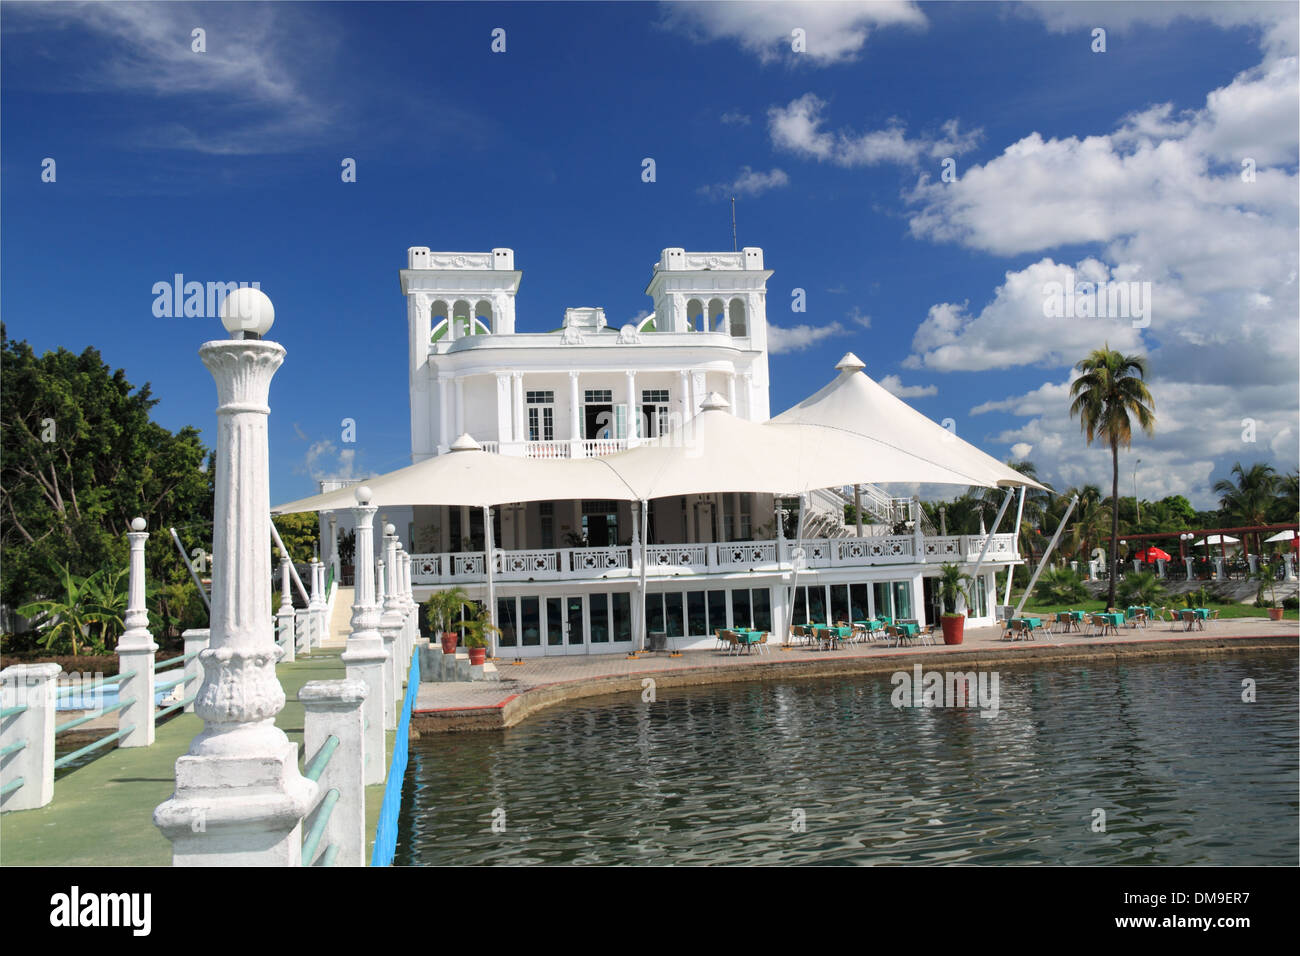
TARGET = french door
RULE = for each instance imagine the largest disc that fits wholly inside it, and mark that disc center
(566, 625)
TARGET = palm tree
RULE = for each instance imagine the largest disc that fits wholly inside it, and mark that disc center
(1091, 516)
(1251, 497)
(1107, 396)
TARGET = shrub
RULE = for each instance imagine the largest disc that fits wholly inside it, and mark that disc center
(1062, 586)
(1140, 588)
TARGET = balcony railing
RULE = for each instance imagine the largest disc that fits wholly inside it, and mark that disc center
(574, 564)
(587, 448)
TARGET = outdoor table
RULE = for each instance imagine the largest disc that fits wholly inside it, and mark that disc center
(1113, 620)
(907, 631)
(1197, 617)
(1031, 623)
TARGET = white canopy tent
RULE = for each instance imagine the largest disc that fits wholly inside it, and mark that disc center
(852, 431)
(1287, 535)
(1218, 539)
(856, 404)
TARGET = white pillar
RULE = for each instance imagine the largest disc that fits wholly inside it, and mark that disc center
(444, 400)
(239, 798)
(390, 628)
(334, 708)
(1218, 569)
(197, 639)
(519, 429)
(633, 419)
(575, 424)
(460, 406)
(334, 549)
(684, 386)
(35, 687)
(1188, 562)
(731, 391)
(135, 652)
(365, 654)
(284, 617)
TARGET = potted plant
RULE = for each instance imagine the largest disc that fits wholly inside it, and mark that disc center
(952, 590)
(1267, 578)
(477, 628)
(442, 612)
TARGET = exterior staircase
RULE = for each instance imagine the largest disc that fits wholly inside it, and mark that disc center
(340, 625)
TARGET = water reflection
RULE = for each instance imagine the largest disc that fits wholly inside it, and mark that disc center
(1185, 772)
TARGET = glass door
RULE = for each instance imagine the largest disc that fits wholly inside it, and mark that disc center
(575, 626)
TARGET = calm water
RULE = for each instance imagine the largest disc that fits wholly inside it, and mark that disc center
(1185, 771)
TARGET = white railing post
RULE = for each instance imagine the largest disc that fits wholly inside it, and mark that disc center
(334, 708)
(285, 628)
(135, 652)
(316, 606)
(34, 688)
(239, 798)
(196, 639)
(390, 625)
(365, 654)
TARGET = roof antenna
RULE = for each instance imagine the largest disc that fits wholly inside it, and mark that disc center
(733, 223)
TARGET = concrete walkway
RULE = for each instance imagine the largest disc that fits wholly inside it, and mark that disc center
(102, 813)
(539, 682)
(340, 625)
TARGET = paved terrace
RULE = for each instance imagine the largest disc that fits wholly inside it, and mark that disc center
(537, 683)
(102, 812)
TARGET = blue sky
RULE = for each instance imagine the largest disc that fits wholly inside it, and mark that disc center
(225, 166)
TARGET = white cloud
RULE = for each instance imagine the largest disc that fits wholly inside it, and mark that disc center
(796, 338)
(857, 317)
(749, 182)
(325, 460)
(835, 31)
(797, 127)
(735, 118)
(1020, 451)
(894, 385)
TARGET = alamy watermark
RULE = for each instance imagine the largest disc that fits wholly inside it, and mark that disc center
(950, 689)
(1093, 300)
(194, 300)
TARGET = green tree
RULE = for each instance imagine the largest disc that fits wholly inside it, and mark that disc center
(1249, 499)
(1106, 397)
(301, 535)
(79, 458)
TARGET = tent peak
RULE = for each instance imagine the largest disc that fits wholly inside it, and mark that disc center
(850, 363)
(465, 443)
(714, 402)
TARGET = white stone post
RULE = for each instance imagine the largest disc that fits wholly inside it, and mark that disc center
(239, 798)
(1254, 563)
(135, 651)
(1218, 569)
(196, 639)
(35, 687)
(287, 635)
(365, 654)
(575, 420)
(1188, 561)
(390, 627)
(1289, 560)
(334, 709)
(334, 549)
(412, 610)
(316, 606)
(1160, 566)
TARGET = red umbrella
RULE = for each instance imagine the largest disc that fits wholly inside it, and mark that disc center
(1152, 555)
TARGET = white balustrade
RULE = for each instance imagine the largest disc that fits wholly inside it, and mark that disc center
(598, 559)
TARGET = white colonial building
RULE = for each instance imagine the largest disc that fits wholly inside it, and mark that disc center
(566, 571)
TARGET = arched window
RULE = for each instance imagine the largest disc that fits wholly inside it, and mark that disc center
(694, 315)
(461, 319)
(739, 327)
(483, 315)
(438, 313)
(717, 316)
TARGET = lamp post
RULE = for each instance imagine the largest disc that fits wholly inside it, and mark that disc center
(239, 797)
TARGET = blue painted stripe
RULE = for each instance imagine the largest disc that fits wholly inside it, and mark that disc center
(386, 830)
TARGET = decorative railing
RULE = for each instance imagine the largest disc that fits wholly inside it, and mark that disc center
(546, 449)
(578, 563)
(598, 447)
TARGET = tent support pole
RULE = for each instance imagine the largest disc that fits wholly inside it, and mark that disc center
(988, 538)
(491, 581)
(1011, 569)
(292, 570)
(645, 545)
(1046, 554)
(193, 577)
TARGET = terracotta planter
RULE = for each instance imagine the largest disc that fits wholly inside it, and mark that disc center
(477, 655)
(449, 640)
(1275, 614)
(954, 628)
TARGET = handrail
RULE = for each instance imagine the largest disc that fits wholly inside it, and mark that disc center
(310, 841)
(386, 830)
(13, 748)
(12, 785)
(68, 758)
(99, 713)
(175, 660)
(322, 758)
(176, 706)
(169, 684)
(13, 711)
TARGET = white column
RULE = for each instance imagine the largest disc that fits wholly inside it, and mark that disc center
(633, 418)
(284, 618)
(575, 424)
(334, 708)
(460, 406)
(239, 798)
(505, 409)
(315, 606)
(731, 391)
(365, 654)
(444, 400)
(135, 651)
(390, 627)
(34, 686)
(520, 429)
(334, 549)
(684, 386)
